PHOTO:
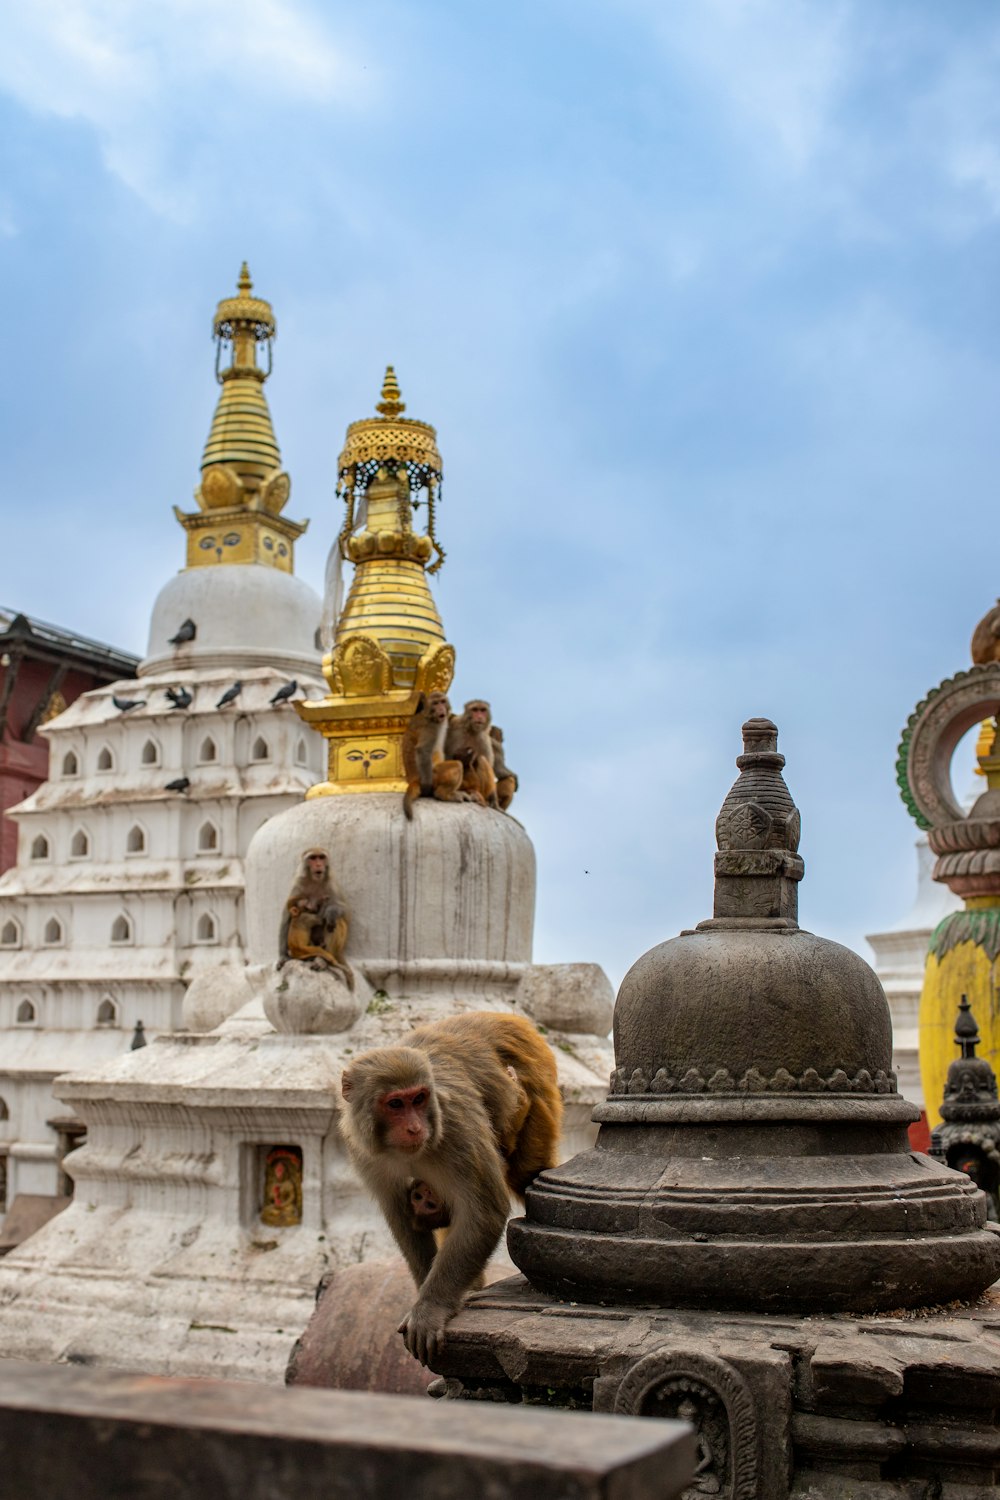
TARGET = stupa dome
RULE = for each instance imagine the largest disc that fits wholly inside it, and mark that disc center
(419, 922)
(698, 1035)
(753, 1150)
(244, 611)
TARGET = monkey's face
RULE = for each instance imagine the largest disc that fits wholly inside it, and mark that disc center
(403, 1116)
(428, 1208)
(479, 715)
(316, 865)
(438, 707)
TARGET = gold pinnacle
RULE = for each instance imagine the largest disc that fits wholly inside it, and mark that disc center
(244, 286)
(390, 404)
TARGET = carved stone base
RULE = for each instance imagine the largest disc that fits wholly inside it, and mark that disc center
(785, 1408)
(771, 1215)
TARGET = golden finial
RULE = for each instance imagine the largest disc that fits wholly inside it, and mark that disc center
(243, 487)
(389, 645)
(390, 404)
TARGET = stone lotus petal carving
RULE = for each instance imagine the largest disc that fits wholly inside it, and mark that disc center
(752, 1081)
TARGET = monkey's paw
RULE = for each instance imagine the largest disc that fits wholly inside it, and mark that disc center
(423, 1331)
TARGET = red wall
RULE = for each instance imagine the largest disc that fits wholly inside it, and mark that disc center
(23, 767)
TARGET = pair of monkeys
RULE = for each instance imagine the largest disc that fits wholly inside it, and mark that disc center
(315, 923)
(455, 757)
(443, 1129)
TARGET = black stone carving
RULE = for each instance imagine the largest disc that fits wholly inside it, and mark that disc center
(753, 1150)
(710, 1394)
(969, 1139)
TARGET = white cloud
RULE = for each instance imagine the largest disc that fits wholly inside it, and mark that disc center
(140, 74)
(778, 64)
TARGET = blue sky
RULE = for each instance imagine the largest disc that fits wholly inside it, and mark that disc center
(701, 296)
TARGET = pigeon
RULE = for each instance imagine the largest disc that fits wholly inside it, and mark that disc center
(283, 694)
(180, 697)
(230, 694)
(138, 1037)
(180, 785)
(186, 633)
(124, 704)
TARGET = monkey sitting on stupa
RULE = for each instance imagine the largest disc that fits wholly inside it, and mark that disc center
(315, 923)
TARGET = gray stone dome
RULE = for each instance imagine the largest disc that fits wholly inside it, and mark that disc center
(753, 1151)
(681, 1018)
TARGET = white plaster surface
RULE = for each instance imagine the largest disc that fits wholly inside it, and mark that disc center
(245, 610)
(162, 1262)
(139, 891)
(900, 958)
(441, 906)
(301, 1000)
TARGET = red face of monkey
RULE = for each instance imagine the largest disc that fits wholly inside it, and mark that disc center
(479, 715)
(317, 864)
(438, 707)
(403, 1115)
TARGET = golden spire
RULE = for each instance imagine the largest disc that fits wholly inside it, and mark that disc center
(243, 486)
(389, 645)
(390, 404)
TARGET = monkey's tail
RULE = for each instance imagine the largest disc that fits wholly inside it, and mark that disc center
(408, 801)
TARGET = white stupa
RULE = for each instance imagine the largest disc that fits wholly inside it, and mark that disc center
(900, 958)
(128, 887)
(214, 1189)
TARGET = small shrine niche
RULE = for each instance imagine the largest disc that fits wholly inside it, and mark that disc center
(281, 1193)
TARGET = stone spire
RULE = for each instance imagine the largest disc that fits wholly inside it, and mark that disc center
(753, 1149)
(243, 487)
(389, 645)
(969, 1138)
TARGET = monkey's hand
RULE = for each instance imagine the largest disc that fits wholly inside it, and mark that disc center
(423, 1330)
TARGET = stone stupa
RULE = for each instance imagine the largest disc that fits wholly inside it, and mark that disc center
(214, 1190)
(751, 1197)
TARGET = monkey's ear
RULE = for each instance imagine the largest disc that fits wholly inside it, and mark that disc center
(346, 1084)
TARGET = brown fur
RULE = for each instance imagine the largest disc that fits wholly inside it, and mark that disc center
(469, 740)
(316, 920)
(506, 779)
(493, 1119)
(428, 773)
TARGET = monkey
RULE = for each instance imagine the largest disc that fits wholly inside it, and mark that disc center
(316, 918)
(428, 773)
(469, 740)
(443, 1129)
(506, 779)
(427, 1210)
